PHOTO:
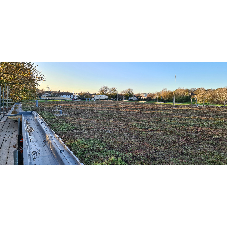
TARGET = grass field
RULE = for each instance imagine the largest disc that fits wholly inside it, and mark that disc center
(106, 132)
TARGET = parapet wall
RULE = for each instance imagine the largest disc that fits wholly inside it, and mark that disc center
(41, 145)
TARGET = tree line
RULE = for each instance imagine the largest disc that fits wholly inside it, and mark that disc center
(112, 93)
(182, 95)
(201, 95)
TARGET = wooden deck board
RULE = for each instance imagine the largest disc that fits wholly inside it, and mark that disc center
(8, 140)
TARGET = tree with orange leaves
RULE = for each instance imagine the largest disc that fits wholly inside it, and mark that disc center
(220, 95)
(22, 79)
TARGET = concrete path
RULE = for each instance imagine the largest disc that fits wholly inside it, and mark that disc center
(42, 146)
(8, 140)
(37, 144)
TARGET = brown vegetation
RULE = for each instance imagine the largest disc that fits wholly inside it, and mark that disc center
(132, 133)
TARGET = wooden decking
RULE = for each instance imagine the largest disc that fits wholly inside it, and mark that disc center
(8, 140)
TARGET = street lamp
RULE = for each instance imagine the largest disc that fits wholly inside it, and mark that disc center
(174, 93)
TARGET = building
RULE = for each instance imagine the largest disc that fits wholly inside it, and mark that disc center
(46, 95)
(100, 97)
(133, 98)
(144, 95)
(65, 95)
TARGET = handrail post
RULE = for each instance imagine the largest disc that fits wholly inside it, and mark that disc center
(3, 101)
(20, 143)
(7, 98)
(0, 100)
(15, 157)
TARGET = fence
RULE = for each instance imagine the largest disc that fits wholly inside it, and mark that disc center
(4, 100)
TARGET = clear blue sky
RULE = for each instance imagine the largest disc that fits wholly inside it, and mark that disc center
(140, 76)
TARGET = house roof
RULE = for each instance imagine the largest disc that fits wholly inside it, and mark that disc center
(65, 93)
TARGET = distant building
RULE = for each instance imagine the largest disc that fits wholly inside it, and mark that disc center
(47, 94)
(65, 95)
(100, 97)
(133, 98)
(144, 95)
(57, 95)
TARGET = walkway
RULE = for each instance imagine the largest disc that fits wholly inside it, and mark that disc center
(8, 140)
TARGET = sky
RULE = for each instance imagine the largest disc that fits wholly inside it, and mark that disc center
(142, 77)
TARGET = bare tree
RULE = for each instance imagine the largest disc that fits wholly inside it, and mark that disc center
(104, 90)
(128, 93)
(112, 92)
